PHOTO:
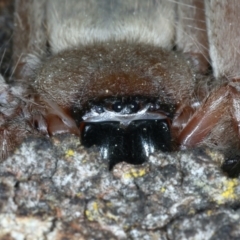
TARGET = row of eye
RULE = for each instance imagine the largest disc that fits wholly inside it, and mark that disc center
(132, 107)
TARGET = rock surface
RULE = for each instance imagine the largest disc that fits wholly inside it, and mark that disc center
(56, 189)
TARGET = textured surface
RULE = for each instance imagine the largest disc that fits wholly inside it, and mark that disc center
(66, 191)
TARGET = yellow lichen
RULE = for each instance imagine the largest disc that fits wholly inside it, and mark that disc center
(92, 212)
(163, 189)
(111, 216)
(229, 187)
(69, 153)
(134, 173)
(88, 215)
(95, 206)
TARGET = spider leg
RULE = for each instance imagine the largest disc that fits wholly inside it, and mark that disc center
(232, 164)
(222, 101)
(49, 118)
(13, 127)
(235, 100)
(205, 118)
(191, 33)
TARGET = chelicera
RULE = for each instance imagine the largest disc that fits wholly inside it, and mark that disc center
(127, 128)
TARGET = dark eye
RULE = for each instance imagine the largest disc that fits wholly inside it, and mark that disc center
(99, 109)
(134, 107)
(117, 106)
(152, 107)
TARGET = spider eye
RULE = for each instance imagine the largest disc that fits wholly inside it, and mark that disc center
(117, 106)
(152, 107)
(134, 106)
(99, 109)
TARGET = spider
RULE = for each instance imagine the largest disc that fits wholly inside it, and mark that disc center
(131, 77)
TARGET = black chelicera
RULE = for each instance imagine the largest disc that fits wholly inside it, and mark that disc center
(127, 128)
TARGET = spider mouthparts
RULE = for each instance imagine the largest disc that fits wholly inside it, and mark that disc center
(133, 143)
